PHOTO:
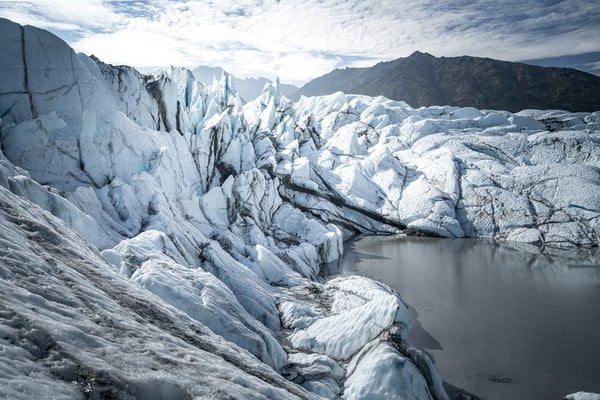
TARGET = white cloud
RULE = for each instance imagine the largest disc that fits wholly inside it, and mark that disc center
(301, 40)
(26, 19)
(133, 47)
(61, 14)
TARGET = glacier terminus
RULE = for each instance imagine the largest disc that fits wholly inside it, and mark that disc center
(161, 239)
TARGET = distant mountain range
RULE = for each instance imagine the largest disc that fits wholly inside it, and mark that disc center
(422, 80)
(248, 88)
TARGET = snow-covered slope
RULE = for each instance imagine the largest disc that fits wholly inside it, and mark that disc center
(161, 240)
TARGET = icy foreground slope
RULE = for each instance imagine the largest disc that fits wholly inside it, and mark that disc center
(71, 327)
(147, 251)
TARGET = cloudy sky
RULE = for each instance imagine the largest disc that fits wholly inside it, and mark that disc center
(298, 40)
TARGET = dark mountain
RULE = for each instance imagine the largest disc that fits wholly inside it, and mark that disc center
(423, 80)
(248, 88)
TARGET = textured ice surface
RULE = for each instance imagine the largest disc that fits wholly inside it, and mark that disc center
(72, 328)
(455, 172)
(582, 396)
(371, 376)
(360, 325)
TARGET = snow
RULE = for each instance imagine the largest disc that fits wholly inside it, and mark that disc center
(207, 300)
(352, 327)
(159, 239)
(71, 326)
(582, 396)
(316, 372)
(450, 171)
(371, 376)
(333, 335)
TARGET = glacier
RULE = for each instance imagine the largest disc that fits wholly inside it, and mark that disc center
(161, 239)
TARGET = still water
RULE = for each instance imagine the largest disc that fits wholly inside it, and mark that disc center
(501, 322)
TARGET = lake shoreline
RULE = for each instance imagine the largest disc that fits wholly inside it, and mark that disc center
(478, 288)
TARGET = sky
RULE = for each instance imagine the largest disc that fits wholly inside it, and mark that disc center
(300, 40)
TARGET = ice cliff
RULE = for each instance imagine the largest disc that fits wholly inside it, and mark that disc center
(162, 240)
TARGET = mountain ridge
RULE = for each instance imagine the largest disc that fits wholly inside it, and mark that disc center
(422, 79)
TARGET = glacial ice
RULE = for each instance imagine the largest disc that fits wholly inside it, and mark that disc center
(161, 239)
(72, 327)
(582, 396)
(329, 334)
(370, 378)
(451, 172)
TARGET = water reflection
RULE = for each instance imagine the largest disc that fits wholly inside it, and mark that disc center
(502, 321)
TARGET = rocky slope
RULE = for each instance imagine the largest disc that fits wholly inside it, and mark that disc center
(162, 240)
(424, 80)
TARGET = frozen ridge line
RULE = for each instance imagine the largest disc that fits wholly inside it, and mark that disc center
(161, 240)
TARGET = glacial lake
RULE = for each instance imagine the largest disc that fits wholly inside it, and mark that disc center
(500, 321)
